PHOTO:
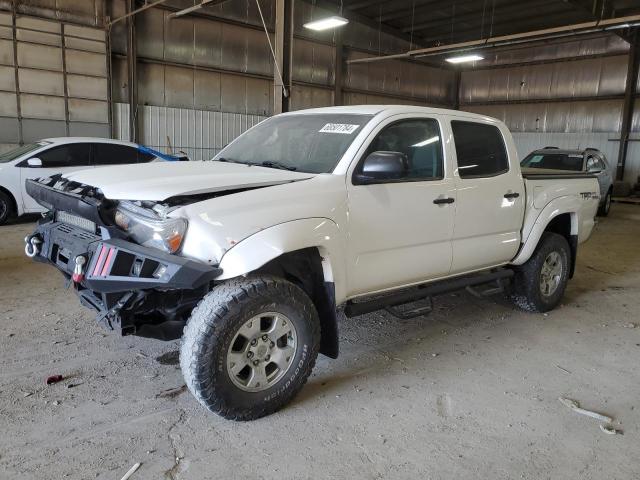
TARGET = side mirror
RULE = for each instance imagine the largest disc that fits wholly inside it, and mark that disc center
(34, 162)
(380, 167)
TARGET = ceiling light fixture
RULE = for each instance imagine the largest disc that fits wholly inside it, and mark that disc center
(326, 23)
(186, 11)
(464, 59)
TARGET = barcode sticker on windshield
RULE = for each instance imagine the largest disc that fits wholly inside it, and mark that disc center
(344, 128)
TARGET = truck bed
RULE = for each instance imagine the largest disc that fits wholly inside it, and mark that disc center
(551, 174)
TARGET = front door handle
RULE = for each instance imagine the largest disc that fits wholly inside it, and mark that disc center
(441, 201)
(511, 195)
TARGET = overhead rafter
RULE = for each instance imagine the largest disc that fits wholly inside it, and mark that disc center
(518, 9)
(472, 33)
(512, 39)
(350, 14)
(599, 9)
(419, 8)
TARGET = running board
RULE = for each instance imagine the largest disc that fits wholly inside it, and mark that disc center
(426, 290)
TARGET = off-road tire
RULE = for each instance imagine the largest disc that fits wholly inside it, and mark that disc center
(526, 290)
(603, 210)
(212, 327)
(6, 208)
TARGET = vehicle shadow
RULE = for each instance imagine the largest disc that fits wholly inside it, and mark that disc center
(379, 345)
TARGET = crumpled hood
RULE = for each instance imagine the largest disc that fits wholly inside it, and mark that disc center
(161, 180)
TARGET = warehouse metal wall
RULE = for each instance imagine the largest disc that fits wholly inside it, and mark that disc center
(53, 79)
(572, 103)
(211, 70)
(210, 63)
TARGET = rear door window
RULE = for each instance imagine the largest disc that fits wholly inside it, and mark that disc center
(480, 149)
(70, 155)
(114, 154)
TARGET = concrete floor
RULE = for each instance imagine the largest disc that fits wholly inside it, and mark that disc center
(470, 392)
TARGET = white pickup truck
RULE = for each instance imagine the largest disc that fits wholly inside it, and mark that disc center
(250, 256)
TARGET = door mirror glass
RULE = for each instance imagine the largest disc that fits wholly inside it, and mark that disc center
(34, 162)
(382, 166)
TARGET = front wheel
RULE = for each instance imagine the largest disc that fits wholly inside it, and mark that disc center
(249, 346)
(539, 284)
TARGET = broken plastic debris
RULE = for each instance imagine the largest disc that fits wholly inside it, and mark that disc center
(575, 406)
(53, 379)
(131, 471)
(609, 430)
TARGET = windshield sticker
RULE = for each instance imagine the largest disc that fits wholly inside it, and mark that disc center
(343, 128)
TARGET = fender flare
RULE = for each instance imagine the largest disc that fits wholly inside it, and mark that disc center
(260, 248)
(534, 231)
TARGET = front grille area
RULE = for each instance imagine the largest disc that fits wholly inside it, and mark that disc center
(77, 232)
(83, 223)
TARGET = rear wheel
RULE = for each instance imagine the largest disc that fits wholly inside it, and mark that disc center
(249, 346)
(539, 284)
(603, 211)
(6, 208)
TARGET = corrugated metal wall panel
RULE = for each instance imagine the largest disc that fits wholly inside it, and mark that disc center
(580, 78)
(632, 167)
(566, 117)
(199, 133)
(604, 45)
(426, 84)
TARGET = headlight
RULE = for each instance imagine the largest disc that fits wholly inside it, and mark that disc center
(148, 229)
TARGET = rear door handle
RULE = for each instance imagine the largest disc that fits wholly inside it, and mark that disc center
(511, 195)
(440, 201)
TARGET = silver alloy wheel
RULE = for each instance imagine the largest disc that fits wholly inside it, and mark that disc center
(607, 202)
(262, 351)
(4, 208)
(550, 274)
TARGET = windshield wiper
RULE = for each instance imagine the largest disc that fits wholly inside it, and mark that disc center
(279, 165)
(229, 160)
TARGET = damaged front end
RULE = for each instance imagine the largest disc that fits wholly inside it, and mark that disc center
(136, 289)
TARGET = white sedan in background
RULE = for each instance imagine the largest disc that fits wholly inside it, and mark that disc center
(60, 155)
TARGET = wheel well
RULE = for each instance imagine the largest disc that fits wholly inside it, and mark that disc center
(304, 269)
(562, 226)
(11, 198)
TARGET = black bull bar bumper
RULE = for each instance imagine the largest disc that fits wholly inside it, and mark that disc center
(116, 265)
(134, 289)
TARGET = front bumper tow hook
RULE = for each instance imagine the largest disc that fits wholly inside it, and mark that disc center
(78, 270)
(32, 245)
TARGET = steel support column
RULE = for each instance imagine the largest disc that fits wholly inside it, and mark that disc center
(132, 64)
(339, 69)
(629, 100)
(457, 79)
(284, 50)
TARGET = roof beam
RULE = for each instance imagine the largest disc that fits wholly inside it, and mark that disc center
(348, 13)
(419, 8)
(476, 14)
(531, 22)
(599, 9)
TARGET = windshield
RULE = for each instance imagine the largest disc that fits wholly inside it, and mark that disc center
(18, 152)
(311, 143)
(553, 161)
